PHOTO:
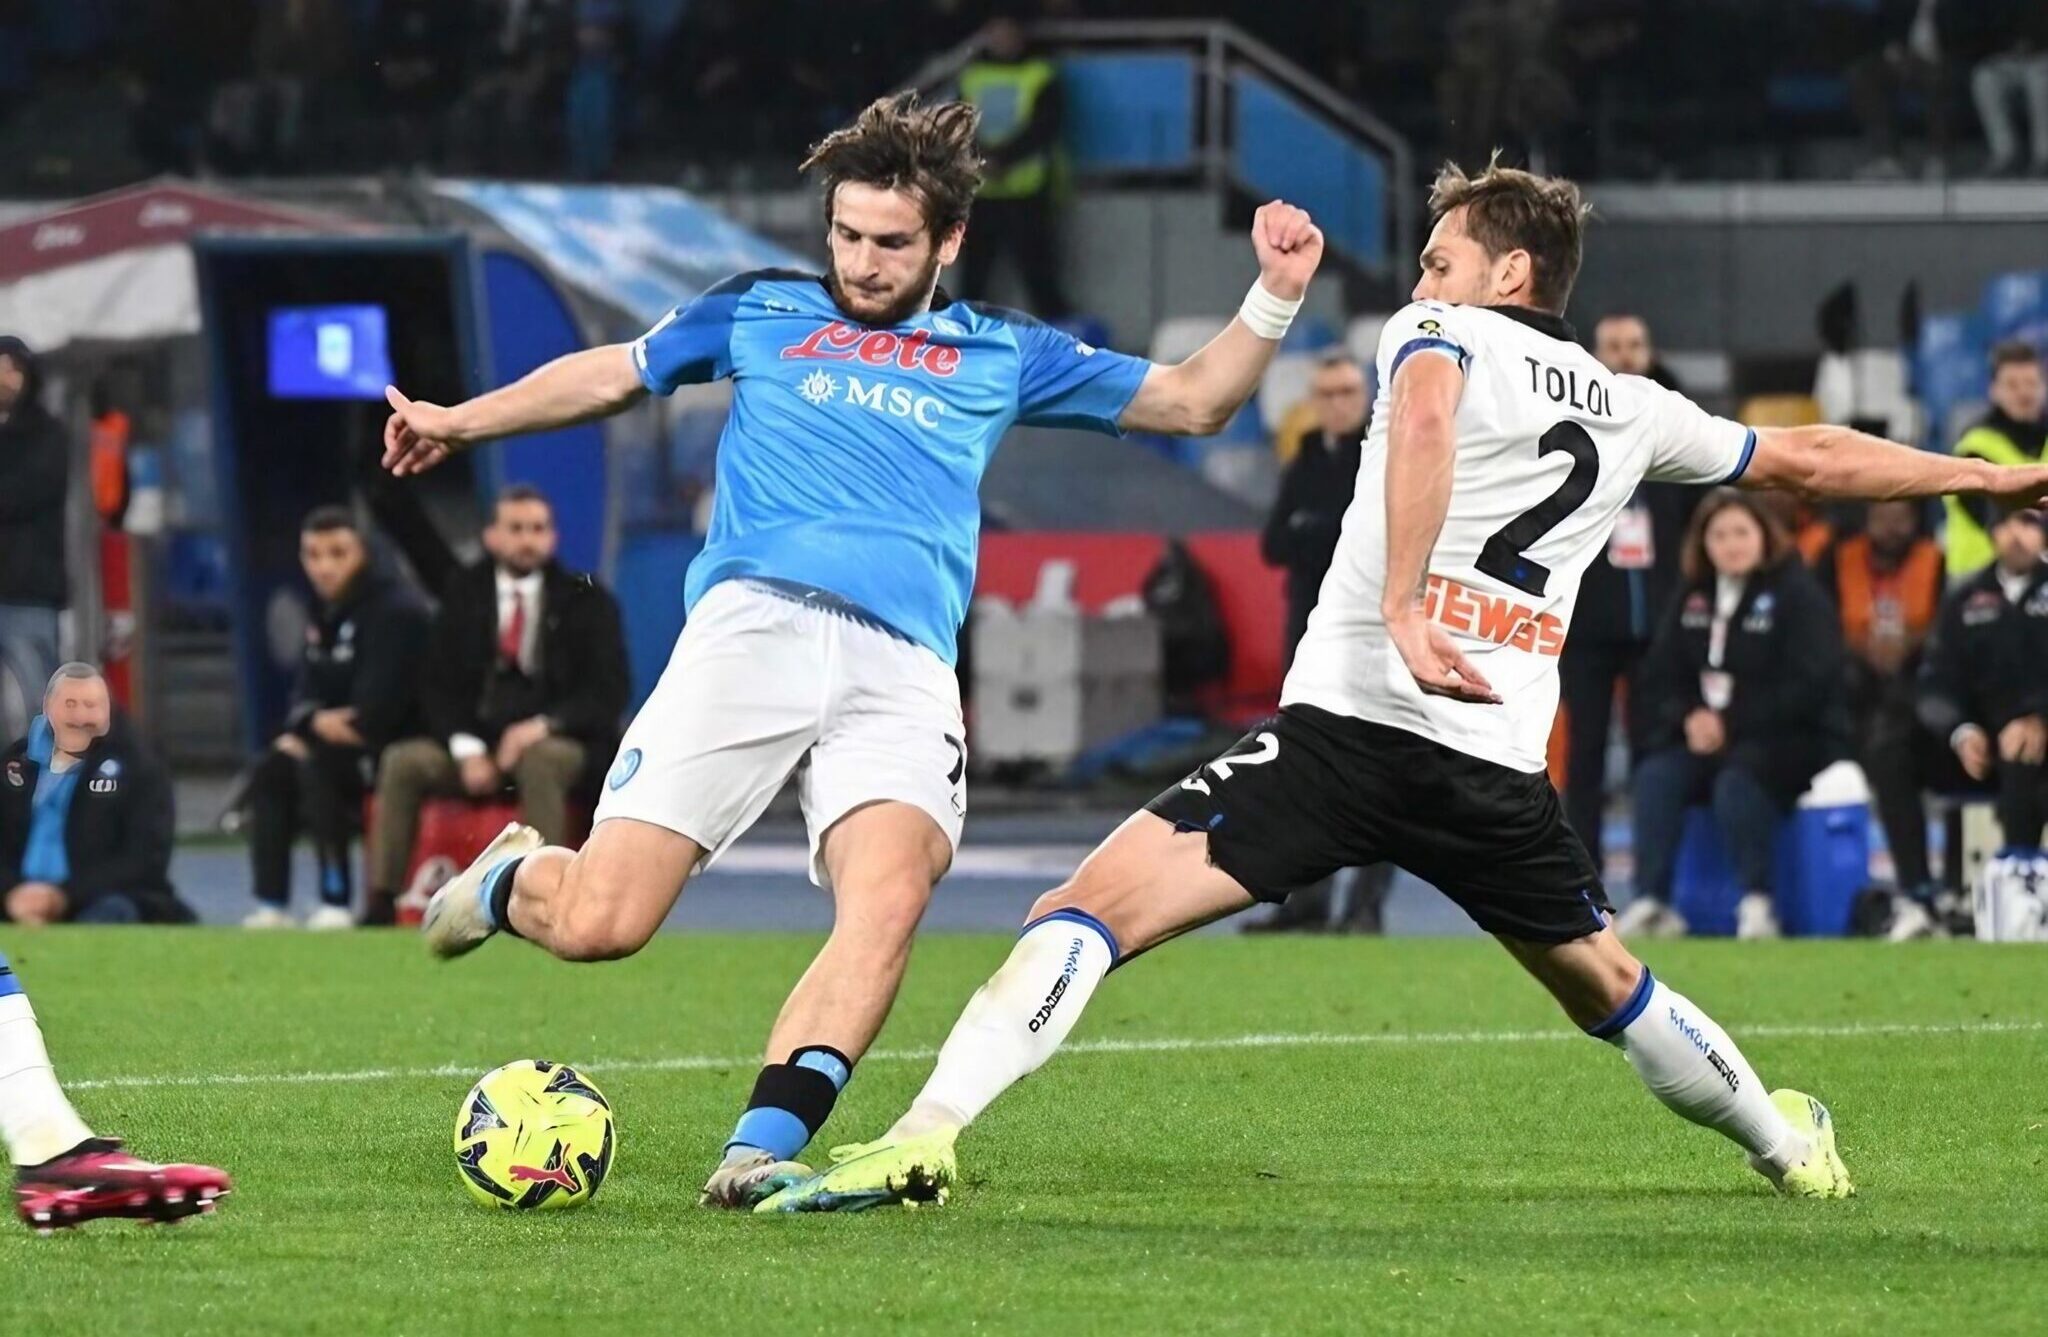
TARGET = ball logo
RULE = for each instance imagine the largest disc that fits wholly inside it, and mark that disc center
(623, 770)
(841, 342)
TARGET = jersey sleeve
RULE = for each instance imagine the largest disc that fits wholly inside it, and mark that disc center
(1062, 382)
(1691, 445)
(693, 343)
(1422, 327)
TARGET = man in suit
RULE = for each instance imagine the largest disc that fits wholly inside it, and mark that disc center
(86, 816)
(524, 686)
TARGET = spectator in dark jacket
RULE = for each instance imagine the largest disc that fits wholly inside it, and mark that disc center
(1984, 684)
(524, 685)
(355, 692)
(86, 816)
(1301, 535)
(1625, 590)
(1315, 491)
(1740, 704)
(1887, 584)
(34, 472)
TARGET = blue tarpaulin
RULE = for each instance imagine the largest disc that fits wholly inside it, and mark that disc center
(642, 249)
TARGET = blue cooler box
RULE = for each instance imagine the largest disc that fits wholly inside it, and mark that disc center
(1822, 861)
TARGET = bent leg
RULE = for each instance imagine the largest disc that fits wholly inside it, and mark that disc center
(409, 772)
(544, 775)
(605, 900)
(1147, 883)
(1686, 1060)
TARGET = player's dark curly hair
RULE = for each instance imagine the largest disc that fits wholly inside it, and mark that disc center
(1507, 209)
(897, 143)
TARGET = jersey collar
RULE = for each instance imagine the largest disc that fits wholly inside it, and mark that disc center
(1543, 322)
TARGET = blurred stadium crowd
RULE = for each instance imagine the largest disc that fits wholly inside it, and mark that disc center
(99, 92)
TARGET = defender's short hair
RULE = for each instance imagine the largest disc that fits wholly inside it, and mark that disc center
(75, 671)
(325, 519)
(898, 143)
(1508, 209)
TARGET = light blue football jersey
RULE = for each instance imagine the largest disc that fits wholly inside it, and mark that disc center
(853, 455)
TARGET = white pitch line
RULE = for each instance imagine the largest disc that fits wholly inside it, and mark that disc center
(1158, 1045)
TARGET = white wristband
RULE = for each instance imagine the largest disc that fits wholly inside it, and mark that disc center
(1266, 315)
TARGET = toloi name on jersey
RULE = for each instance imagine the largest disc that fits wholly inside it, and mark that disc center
(1492, 617)
(1563, 386)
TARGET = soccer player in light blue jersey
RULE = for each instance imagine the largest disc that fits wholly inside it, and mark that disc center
(825, 607)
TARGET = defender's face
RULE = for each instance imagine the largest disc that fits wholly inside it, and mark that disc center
(522, 537)
(332, 558)
(1735, 542)
(1622, 344)
(2019, 391)
(885, 261)
(79, 711)
(1456, 269)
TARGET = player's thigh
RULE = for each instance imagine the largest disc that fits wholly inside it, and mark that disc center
(726, 726)
(1148, 882)
(892, 748)
(619, 887)
(1495, 841)
(1262, 815)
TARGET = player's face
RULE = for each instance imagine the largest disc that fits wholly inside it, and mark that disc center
(1735, 542)
(78, 711)
(2019, 391)
(2020, 544)
(1339, 395)
(13, 376)
(885, 261)
(332, 558)
(522, 537)
(1622, 343)
(1458, 271)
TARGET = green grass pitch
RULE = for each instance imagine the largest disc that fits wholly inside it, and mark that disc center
(1444, 1156)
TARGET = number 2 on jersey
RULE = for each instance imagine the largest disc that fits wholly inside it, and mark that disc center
(1265, 748)
(1505, 556)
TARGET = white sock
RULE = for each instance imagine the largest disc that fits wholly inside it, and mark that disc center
(36, 1121)
(1014, 1022)
(1690, 1064)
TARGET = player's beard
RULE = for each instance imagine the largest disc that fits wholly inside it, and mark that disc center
(895, 310)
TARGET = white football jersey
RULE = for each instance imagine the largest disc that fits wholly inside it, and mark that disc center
(1550, 448)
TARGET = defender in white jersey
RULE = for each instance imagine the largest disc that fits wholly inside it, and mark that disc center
(1413, 722)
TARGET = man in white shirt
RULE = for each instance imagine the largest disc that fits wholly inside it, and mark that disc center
(1414, 720)
(524, 686)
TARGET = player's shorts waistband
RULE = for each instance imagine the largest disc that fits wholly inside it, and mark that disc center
(810, 596)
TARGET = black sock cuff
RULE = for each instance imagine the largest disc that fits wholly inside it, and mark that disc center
(803, 1090)
(501, 896)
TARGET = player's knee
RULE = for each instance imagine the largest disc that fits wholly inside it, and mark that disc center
(889, 910)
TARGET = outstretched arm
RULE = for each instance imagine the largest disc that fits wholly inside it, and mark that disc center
(576, 387)
(1826, 461)
(1197, 397)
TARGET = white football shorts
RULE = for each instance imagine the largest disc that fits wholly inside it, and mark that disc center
(763, 686)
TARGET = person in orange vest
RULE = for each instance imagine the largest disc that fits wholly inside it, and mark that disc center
(1887, 582)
